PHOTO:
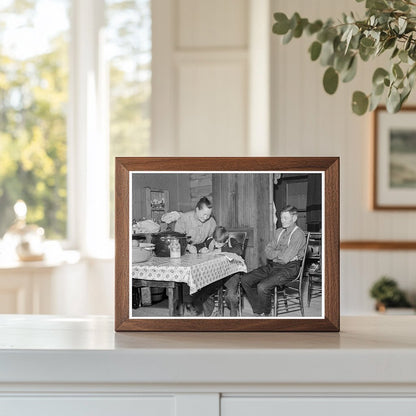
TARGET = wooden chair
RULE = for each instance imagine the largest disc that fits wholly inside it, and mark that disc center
(291, 293)
(241, 238)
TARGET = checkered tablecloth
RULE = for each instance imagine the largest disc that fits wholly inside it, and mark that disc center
(196, 270)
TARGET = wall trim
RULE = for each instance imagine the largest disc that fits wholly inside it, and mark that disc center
(378, 245)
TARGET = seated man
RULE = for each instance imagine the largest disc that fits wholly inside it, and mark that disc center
(285, 251)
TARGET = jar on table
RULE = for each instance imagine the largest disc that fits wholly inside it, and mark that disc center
(175, 248)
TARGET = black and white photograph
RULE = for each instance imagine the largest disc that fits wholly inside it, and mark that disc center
(226, 245)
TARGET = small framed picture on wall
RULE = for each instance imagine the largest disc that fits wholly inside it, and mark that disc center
(394, 159)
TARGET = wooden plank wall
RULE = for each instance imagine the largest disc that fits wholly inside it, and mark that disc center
(201, 185)
(243, 201)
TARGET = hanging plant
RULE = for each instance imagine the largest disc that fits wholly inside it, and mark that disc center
(388, 27)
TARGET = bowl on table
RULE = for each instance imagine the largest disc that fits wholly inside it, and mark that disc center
(140, 254)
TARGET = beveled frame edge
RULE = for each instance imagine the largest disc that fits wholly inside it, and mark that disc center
(375, 205)
(329, 165)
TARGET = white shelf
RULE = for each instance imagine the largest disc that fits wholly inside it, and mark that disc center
(376, 349)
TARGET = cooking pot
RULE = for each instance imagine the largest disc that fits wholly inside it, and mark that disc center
(162, 241)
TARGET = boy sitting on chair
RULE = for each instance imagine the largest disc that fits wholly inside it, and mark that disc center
(222, 242)
(286, 252)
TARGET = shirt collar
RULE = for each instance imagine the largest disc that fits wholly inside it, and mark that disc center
(291, 228)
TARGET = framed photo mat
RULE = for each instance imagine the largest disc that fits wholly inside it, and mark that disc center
(328, 165)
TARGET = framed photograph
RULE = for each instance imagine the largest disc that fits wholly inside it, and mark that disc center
(394, 179)
(227, 244)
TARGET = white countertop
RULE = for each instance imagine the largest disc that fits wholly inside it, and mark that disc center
(52, 349)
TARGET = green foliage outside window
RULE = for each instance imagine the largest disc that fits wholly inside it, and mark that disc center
(33, 99)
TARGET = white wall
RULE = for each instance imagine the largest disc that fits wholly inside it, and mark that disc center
(200, 78)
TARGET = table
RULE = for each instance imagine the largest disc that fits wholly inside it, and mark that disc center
(195, 270)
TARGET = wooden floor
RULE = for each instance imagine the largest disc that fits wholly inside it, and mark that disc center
(161, 309)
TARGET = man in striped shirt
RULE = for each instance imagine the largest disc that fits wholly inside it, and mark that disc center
(285, 251)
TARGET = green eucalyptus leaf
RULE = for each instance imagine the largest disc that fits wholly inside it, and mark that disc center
(378, 89)
(403, 56)
(341, 61)
(379, 75)
(314, 27)
(395, 52)
(298, 30)
(399, 85)
(355, 41)
(367, 42)
(294, 20)
(281, 26)
(351, 70)
(387, 82)
(408, 42)
(389, 43)
(412, 70)
(315, 50)
(404, 96)
(400, 5)
(412, 78)
(330, 80)
(288, 37)
(359, 103)
(327, 54)
(376, 4)
(303, 25)
(322, 36)
(374, 102)
(412, 52)
(338, 45)
(397, 71)
(366, 53)
(393, 101)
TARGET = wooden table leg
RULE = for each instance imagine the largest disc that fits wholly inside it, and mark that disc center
(179, 299)
(171, 292)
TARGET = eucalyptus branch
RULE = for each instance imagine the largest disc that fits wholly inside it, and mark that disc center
(388, 26)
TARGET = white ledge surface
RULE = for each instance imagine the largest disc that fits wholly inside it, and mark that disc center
(53, 349)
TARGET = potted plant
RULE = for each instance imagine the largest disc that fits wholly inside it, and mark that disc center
(387, 294)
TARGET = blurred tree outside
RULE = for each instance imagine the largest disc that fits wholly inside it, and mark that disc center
(33, 99)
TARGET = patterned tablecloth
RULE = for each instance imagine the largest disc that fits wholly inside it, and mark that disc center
(196, 270)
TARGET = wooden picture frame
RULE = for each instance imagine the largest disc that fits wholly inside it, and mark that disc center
(255, 168)
(394, 158)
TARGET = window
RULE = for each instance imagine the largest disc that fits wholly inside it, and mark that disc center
(75, 87)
